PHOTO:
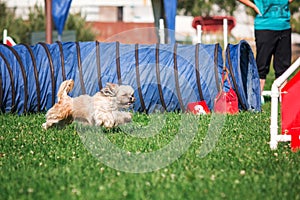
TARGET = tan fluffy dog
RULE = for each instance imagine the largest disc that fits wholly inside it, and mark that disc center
(102, 109)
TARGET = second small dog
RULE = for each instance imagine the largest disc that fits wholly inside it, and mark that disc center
(102, 109)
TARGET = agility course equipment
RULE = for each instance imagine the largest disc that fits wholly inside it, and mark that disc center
(7, 39)
(290, 109)
(165, 77)
(242, 67)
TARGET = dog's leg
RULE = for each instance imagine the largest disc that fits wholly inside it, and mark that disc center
(51, 119)
(49, 123)
(112, 119)
(122, 117)
(46, 125)
(105, 119)
(57, 117)
(60, 114)
(97, 118)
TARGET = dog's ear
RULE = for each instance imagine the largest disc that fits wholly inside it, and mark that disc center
(112, 86)
(109, 90)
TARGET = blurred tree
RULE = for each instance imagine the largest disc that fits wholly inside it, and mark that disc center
(83, 31)
(20, 30)
(206, 7)
(295, 24)
(74, 22)
(295, 6)
(215, 7)
(36, 19)
(16, 27)
(185, 6)
(295, 11)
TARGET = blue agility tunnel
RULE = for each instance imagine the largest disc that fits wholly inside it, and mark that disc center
(241, 64)
(165, 77)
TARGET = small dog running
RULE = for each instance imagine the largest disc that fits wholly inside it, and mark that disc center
(102, 109)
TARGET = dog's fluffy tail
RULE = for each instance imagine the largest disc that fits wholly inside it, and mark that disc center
(64, 88)
(61, 112)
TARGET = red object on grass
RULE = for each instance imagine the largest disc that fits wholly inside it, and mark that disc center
(213, 24)
(226, 102)
(198, 108)
(290, 110)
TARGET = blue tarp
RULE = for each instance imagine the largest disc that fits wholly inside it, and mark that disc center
(163, 76)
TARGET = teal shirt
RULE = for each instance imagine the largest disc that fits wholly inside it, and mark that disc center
(275, 15)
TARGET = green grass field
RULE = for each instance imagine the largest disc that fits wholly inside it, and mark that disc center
(55, 164)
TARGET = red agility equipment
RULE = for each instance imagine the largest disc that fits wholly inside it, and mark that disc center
(290, 111)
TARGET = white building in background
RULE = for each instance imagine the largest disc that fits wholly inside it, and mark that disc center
(95, 10)
(139, 11)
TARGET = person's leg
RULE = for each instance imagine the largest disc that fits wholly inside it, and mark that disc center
(265, 47)
(283, 52)
(262, 84)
